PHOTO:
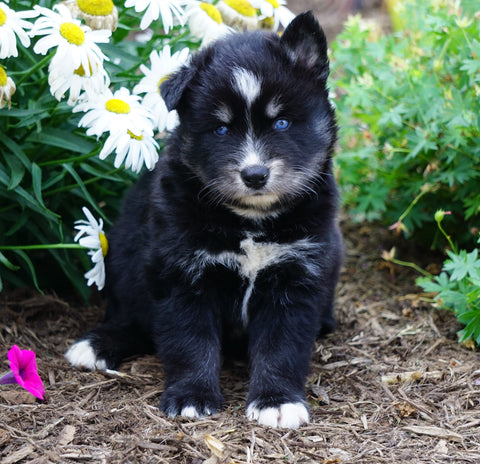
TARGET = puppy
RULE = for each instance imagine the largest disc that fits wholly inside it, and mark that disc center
(231, 242)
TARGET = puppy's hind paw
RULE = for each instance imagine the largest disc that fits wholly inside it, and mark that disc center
(82, 354)
(287, 415)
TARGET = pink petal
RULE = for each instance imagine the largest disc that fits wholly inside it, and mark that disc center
(14, 356)
(24, 366)
(33, 383)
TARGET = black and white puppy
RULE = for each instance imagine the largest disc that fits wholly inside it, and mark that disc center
(232, 241)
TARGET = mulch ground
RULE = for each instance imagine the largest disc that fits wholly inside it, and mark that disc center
(391, 385)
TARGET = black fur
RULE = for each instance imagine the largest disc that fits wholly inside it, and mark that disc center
(178, 268)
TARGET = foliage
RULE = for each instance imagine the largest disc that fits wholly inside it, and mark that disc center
(49, 167)
(457, 288)
(409, 107)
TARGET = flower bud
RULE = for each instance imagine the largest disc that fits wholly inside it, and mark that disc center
(440, 214)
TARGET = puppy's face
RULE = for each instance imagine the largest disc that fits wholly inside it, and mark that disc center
(256, 123)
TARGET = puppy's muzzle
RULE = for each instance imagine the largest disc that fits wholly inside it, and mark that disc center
(255, 176)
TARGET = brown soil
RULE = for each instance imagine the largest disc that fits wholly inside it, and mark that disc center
(391, 385)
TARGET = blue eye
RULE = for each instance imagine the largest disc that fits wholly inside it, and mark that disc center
(281, 124)
(221, 130)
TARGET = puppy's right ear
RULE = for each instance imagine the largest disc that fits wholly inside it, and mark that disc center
(306, 44)
(174, 87)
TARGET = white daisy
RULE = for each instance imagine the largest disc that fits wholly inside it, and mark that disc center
(97, 14)
(158, 8)
(91, 235)
(76, 44)
(274, 11)
(162, 66)
(7, 88)
(135, 150)
(120, 111)
(77, 82)
(205, 22)
(13, 25)
(239, 14)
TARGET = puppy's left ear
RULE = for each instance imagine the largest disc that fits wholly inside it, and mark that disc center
(174, 87)
(306, 44)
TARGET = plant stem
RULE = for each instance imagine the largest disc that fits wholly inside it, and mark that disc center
(39, 65)
(415, 201)
(52, 246)
(449, 240)
(411, 265)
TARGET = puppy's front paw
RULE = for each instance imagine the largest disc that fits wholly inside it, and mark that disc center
(286, 415)
(189, 401)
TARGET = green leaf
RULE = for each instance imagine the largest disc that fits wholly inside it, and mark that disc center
(17, 170)
(471, 319)
(7, 263)
(62, 139)
(30, 267)
(17, 150)
(83, 188)
(462, 264)
(37, 183)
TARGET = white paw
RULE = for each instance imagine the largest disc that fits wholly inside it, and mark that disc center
(287, 415)
(192, 413)
(81, 354)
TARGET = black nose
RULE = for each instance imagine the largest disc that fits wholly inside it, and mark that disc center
(255, 176)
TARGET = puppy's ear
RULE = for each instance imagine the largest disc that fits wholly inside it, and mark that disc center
(174, 87)
(306, 44)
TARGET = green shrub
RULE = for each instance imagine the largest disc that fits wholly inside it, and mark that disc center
(409, 107)
(457, 288)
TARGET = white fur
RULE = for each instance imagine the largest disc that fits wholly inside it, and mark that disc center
(251, 158)
(273, 108)
(255, 256)
(255, 214)
(247, 84)
(190, 412)
(81, 354)
(224, 114)
(287, 415)
(252, 154)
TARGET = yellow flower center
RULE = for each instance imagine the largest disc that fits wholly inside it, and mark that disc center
(161, 81)
(103, 243)
(80, 71)
(133, 136)
(268, 22)
(274, 3)
(3, 17)
(212, 12)
(72, 33)
(115, 105)
(3, 77)
(96, 7)
(242, 7)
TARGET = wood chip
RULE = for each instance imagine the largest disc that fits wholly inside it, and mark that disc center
(18, 455)
(436, 432)
(350, 362)
(4, 438)
(411, 376)
(66, 435)
(18, 397)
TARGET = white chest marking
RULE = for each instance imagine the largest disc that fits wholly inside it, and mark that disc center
(255, 256)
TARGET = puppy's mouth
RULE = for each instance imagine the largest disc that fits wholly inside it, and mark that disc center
(262, 200)
(258, 205)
